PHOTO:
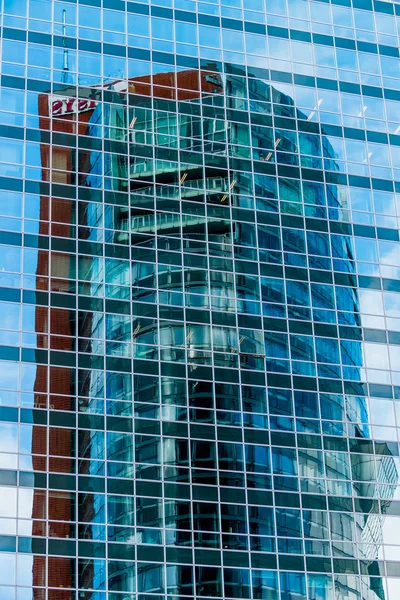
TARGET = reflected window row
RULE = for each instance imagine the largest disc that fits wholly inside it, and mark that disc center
(93, 511)
(129, 577)
(242, 95)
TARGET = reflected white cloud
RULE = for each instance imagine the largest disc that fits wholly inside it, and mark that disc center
(8, 504)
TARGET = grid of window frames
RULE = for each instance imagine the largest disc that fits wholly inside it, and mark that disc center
(199, 300)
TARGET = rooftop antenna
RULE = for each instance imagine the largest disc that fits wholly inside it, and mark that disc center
(65, 52)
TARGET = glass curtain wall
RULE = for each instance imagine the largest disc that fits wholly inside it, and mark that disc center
(199, 269)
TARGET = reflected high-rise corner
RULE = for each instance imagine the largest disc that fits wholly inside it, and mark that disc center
(125, 124)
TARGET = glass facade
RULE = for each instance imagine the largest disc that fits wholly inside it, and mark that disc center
(200, 320)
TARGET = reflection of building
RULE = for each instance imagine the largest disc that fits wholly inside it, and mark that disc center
(57, 328)
(56, 331)
(178, 169)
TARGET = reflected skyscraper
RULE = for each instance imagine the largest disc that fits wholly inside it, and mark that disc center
(198, 281)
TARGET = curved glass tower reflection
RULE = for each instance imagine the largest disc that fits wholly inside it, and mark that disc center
(198, 281)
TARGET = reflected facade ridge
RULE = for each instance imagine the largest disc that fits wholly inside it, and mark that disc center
(199, 265)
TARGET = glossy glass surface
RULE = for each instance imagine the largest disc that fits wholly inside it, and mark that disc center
(199, 279)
